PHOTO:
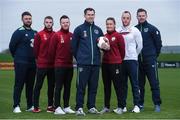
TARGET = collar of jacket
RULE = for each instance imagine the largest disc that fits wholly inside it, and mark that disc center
(27, 28)
(111, 32)
(144, 23)
(64, 31)
(46, 30)
(88, 24)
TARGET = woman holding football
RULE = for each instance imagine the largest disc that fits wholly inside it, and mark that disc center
(111, 65)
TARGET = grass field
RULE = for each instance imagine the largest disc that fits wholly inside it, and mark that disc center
(162, 57)
(170, 93)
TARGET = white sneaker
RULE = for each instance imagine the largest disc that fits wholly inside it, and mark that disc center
(17, 110)
(118, 111)
(80, 112)
(30, 109)
(59, 111)
(104, 110)
(124, 109)
(136, 109)
(93, 111)
(68, 110)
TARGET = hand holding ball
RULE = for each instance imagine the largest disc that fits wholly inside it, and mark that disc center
(103, 43)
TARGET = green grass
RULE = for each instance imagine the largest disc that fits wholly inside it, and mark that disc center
(5, 57)
(169, 83)
(162, 57)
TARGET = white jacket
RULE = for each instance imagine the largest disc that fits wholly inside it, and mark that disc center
(133, 42)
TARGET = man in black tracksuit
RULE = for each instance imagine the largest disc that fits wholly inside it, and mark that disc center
(148, 58)
(87, 55)
(21, 48)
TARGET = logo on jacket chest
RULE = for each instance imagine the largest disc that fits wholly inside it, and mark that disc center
(113, 38)
(146, 29)
(85, 33)
(96, 31)
(45, 36)
(62, 39)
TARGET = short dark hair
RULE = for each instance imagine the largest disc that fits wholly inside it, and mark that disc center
(25, 13)
(64, 17)
(48, 17)
(111, 18)
(127, 12)
(88, 9)
(141, 10)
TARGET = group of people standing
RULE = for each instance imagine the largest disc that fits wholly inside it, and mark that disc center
(132, 53)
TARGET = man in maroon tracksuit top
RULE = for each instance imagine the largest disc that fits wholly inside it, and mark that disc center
(44, 67)
(60, 52)
(111, 66)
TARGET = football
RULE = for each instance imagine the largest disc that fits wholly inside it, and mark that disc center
(103, 43)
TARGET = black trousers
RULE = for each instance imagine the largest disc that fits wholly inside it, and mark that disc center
(112, 73)
(130, 69)
(148, 68)
(41, 73)
(87, 76)
(24, 74)
(63, 78)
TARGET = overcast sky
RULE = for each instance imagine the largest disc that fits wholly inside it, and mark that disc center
(164, 14)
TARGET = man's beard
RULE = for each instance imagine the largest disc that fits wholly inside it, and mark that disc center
(27, 25)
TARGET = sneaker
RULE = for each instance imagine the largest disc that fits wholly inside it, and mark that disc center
(17, 110)
(118, 111)
(68, 110)
(136, 109)
(80, 112)
(30, 109)
(124, 109)
(50, 109)
(59, 111)
(141, 107)
(157, 108)
(104, 110)
(93, 111)
(36, 110)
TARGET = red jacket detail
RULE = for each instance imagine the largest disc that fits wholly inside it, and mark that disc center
(117, 48)
(60, 49)
(41, 45)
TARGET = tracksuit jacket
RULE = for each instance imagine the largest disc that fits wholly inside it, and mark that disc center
(117, 48)
(41, 46)
(60, 49)
(151, 40)
(21, 45)
(84, 44)
(133, 42)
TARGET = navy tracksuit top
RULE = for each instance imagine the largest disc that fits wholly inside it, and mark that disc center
(84, 44)
(151, 40)
(21, 45)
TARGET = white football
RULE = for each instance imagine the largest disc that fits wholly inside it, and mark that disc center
(102, 40)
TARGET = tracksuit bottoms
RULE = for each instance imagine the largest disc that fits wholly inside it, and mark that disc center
(148, 67)
(87, 75)
(24, 74)
(130, 70)
(112, 73)
(63, 78)
(40, 77)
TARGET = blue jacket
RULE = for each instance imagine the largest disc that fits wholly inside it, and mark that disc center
(21, 45)
(84, 44)
(151, 40)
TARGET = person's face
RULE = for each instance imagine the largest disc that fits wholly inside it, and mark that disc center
(110, 25)
(65, 23)
(27, 20)
(89, 16)
(126, 19)
(141, 16)
(48, 23)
